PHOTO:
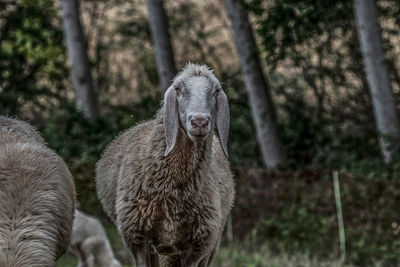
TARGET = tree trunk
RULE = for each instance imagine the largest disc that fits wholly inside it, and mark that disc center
(86, 99)
(162, 44)
(385, 110)
(257, 86)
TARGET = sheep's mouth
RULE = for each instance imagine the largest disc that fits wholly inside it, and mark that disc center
(197, 137)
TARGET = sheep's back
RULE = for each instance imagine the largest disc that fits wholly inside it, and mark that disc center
(109, 165)
(36, 205)
(12, 130)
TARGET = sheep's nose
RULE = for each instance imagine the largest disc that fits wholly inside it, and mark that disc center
(199, 121)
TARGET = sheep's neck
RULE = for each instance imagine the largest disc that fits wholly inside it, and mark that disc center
(188, 158)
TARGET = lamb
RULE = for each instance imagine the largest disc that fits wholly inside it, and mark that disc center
(89, 243)
(166, 183)
(37, 196)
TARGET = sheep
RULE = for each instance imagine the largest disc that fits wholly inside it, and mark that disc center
(37, 196)
(89, 243)
(166, 183)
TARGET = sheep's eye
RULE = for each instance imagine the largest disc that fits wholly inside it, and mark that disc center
(178, 90)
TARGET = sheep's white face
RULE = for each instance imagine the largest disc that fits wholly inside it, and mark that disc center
(195, 103)
(196, 99)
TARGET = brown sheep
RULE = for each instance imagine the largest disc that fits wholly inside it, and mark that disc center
(166, 183)
(37, 198)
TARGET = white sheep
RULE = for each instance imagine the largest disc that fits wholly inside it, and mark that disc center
(37, 197)
(89, 243)
(166, 183)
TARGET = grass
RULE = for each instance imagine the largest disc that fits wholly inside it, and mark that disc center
(66, 261)
(237, 256)
(234, 255)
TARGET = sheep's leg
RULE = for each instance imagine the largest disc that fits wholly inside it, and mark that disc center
(191, 259)
(79, 254)
(90, 261)
(170, 261)
(192, 262)
(144, 257)
(81, 263)
(197, 258)
(88, 248)
(207, 261)
(139, 254)
(154, 260)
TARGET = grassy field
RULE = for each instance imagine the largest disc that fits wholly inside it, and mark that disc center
(233, 255)
(237, 256)
(297, 219)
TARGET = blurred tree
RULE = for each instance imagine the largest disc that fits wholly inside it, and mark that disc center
(86, 99)
(257, 86)
(162, 44)
(385, 110)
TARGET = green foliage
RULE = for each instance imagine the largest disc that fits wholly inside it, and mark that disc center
(285, 24)
(72, 136)
(299, 229)
(316, 138)
(318, 83)
(66, 261)
(303, 219)
(32, 58)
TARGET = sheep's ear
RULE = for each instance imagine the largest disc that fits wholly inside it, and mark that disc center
(222, 120)
(171, 119)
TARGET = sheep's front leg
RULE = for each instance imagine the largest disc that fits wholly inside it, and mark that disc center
(202, 251)
(90, 260)
(208, 260)
(192, 258)
(89, 250)
(80, 263)
(154, 260)
(140, 255)
(144, 256)
(193, 261)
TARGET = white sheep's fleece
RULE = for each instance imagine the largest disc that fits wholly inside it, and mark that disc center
(89, 243)
(37, 197)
